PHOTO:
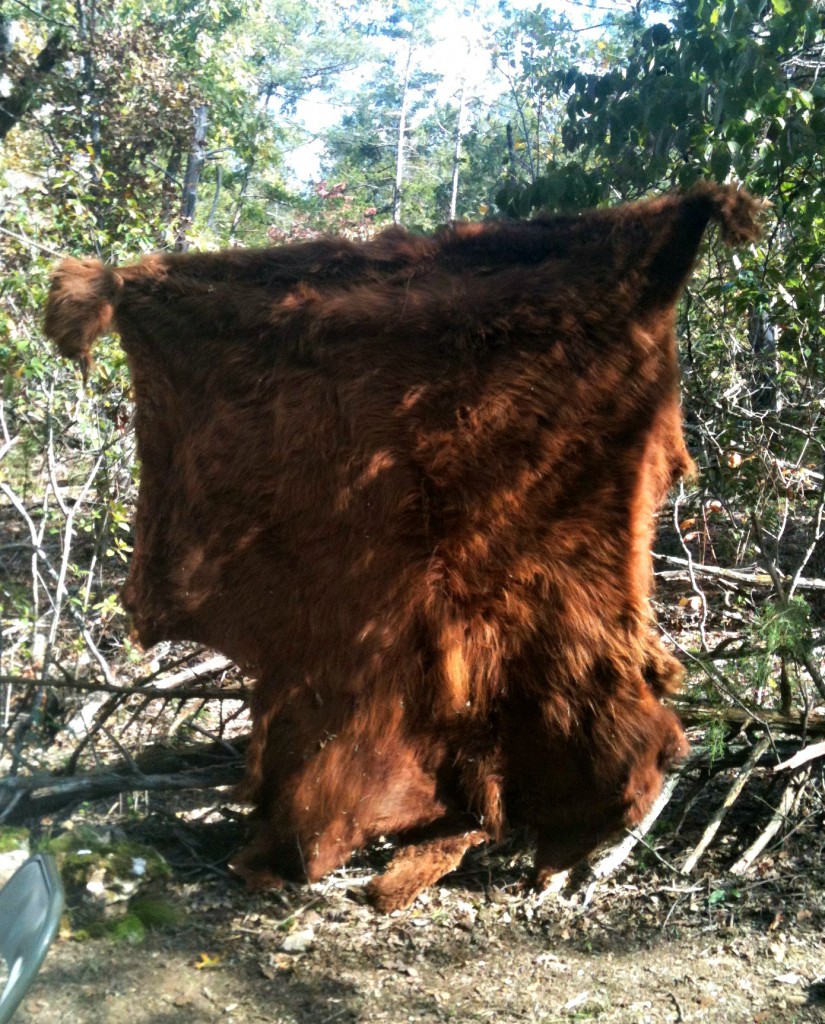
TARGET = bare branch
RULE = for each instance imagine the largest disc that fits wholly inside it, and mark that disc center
(742, 777)
(790, 797)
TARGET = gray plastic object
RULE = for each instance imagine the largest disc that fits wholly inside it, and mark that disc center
(31, 903)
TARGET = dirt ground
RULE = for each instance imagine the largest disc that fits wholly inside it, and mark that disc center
(647, 946)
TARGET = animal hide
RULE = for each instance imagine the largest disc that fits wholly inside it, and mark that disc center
(409, 486)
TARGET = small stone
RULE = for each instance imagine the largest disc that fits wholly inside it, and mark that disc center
(299, 942)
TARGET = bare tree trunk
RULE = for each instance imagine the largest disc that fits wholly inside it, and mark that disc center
(402, 131)
(194, 167)
(762, 337)
(457, 152)
(86, 34)
(210, 223)
(239, 203)
(170, 186)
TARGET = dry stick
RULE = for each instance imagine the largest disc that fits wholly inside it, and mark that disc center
(39, 553)
(167, 688)
(692, 714)
(804, 756)
(8, 441)
(618, 854)
(31, 241)
(47, 793)
(734, 576)
(713, 672)
(742, 777)
(61, 592)
(179, 693)
(108, 708)
(790, 796)
(697, 590)
(819, 531)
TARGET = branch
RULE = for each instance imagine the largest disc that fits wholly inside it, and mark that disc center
(742, 777)
(31, 241)
(734, 576)
(618, 854)
(811, 753)
(690, 714)
(787, 802)
(165, 693)
(36, 795)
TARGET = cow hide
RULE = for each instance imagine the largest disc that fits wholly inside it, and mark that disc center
(409, 486)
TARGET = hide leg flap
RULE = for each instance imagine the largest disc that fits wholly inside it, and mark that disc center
(254, 866)
(277, 854)
(557, 852)
(415, 867)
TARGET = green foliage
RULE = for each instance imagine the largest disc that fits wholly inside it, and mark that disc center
(784, 628)
(13, 839)
(155, 912)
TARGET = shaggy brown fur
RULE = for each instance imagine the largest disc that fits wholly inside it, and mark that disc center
(409, 485)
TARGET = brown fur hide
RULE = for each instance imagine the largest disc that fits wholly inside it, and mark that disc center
(409, 485)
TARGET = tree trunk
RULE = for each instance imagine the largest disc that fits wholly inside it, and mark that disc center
(194, 167)
(457, 152)
(215, 198)
(762, 337)
(239, 203)
(402, 131)
(170, 186)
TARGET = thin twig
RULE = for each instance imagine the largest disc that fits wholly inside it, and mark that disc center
(697, 590)
(40, 554)
(31, 241)
(819, 532)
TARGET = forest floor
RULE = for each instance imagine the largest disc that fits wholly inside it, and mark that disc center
(647, 945)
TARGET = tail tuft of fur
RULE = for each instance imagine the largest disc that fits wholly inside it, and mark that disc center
(80, 307)
(738, 213)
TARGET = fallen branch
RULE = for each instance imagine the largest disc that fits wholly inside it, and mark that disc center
(742, 777)
(33, 796)
(797, 724)
(804, 756)
(737, 577)
(790, 797)
(618, 854)
(166, 688)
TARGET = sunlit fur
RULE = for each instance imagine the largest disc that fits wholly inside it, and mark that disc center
(409, 486)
